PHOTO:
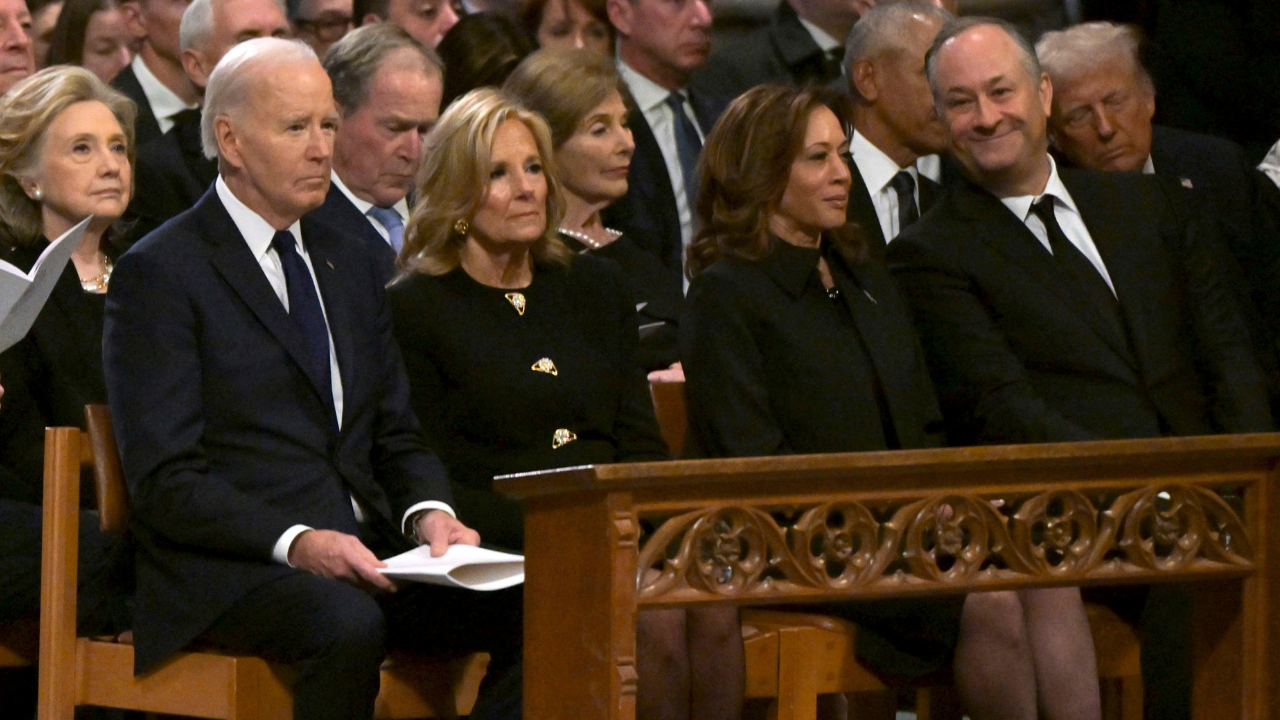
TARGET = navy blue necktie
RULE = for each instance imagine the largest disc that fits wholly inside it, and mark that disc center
(304, 305)
(688, 148)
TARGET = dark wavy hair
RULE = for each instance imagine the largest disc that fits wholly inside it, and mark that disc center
(480, 51)
(744, 170)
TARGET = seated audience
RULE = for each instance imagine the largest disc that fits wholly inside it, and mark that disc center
(498, 319)
(387, 87)
(263, 417)
(44, 15)
(579, 94)
(173, 172)
(480, 51)
(320, 23)
(94, 35)
(566, 24)
(16, 59)
(155, 79)
(67, 138)
(1060, 305)
(1103, 103)
(426, 20)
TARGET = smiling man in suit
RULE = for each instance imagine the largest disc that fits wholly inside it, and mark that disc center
(388, 88)
(1060, 305)
(894, 119)
(262, 412)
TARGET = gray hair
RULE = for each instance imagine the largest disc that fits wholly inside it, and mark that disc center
(885, 28)
(1030, 63)
(232, 80)
(353, 61)
(197, 23)
(1068, 53)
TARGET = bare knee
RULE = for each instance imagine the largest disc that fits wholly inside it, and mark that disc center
(994, 620)
(661, 640)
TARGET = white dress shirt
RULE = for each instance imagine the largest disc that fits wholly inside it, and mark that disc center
(1067, 215)
(401, 208)
(652, 101)
(165, 103)
(1148, 167)
(877, 171)
(1270, 164)
(821, 38)
(258, 234)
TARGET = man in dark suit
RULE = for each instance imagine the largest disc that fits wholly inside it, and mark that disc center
(172, 171)
(426, 20)
(1066, 305)
(660, 45)
(894, 119)
(16, 59)
(263, 416)
(1103, 105)
(155, 80)
(388, 88)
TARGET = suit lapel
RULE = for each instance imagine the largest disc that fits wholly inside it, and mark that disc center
(237, 265)
(863, 211)
(876, 333)
(655, 196)
(325, 251)
(1011, 238)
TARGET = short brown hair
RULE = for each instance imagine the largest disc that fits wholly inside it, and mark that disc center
(454, 175)
(533, 10)
(26, 112)
(563, 86)
(744, 170)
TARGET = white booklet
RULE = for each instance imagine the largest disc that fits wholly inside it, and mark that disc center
(464, 566)
(22, 294)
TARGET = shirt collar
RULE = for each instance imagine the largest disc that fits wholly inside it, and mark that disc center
(791, 266)
(876, 168)
(165, 103)
(1148, 167)
(648, 94)
(820, 36)
(256, 231)
(1020, 205)
(401, 208)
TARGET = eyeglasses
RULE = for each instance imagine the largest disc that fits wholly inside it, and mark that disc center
(329, 29)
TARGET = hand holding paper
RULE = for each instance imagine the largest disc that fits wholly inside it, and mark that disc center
(463, 566)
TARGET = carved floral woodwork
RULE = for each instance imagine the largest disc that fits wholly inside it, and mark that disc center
(833, 545)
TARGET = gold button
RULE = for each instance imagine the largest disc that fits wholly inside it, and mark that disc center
(545, 366)
(561, 438)
(517, 301)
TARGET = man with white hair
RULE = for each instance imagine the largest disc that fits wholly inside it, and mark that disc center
(262, 411)
(155, 80)
(172, 171)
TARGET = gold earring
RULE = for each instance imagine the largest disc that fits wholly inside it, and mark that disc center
(461, 227)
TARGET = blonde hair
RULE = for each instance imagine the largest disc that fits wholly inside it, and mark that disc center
(1066, 54)
(564, 86)
(454, 178)
(26, 112)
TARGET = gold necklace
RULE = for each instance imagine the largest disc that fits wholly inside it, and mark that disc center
(98, 283)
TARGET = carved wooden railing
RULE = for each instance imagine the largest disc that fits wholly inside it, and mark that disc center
(603, 540)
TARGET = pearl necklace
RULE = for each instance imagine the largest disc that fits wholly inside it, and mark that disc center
(589, 241)
(102, 280)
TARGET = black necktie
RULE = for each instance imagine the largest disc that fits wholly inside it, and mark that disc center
(1075, 264)
(905, 186)
(834, 59)
(688, 147)
(304, 305)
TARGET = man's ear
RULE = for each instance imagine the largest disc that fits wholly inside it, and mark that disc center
(228, 142)
(865, 79)
(1046, 94)
(193, 65)
(131, 11)
(621, 16)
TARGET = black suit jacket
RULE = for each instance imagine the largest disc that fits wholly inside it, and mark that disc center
(863, 211)
(775, 366)
(781, 52)
(145, 127)
(1017, 355)
(172, 175)
(227, 438)
(647, 214)
(339, 215)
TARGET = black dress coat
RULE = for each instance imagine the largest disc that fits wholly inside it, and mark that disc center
(340, 215)
(1018, 356)
(781, 52)
(146, 128)
(657, 302)
(171, 176)
(226, 432)
(471, 355)
(863, 211)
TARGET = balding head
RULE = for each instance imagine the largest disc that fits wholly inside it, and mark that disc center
(270, 120)
(212, 27)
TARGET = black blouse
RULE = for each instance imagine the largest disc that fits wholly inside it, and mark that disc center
(777, 364)
(510, 381)
(50, 375)
(658, 300)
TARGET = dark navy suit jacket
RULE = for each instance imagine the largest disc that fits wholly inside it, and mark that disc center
(226, 436)
(340, 215)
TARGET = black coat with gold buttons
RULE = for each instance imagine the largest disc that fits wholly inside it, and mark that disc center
(514, 381)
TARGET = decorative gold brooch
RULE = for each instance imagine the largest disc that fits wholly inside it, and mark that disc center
(545, 366)
(561, 438)
(517, 301)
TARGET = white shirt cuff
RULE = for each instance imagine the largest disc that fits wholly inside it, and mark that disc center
(419, 507)
(280, 553)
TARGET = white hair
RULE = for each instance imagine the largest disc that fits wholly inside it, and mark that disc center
(232, 78)
(1066, 54)
(886, 27)
(197, 23)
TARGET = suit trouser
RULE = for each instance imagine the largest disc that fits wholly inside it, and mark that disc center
(336, 636)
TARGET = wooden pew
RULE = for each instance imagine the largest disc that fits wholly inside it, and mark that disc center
(755, 531)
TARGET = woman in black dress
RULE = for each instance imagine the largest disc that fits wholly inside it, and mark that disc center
(521, 353)
(795, 341)
(579, 94)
